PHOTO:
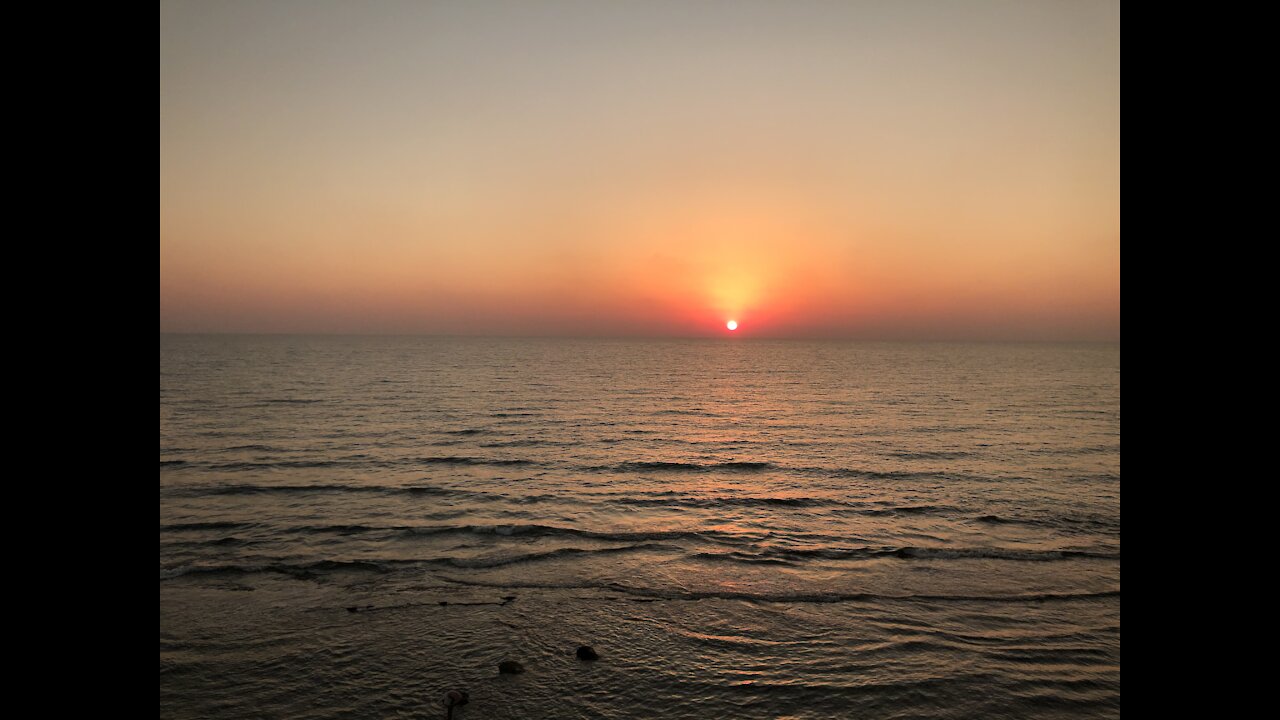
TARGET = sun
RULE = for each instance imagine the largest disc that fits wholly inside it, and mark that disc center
(732, 324)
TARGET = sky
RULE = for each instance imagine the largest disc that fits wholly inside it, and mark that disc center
(940, 170)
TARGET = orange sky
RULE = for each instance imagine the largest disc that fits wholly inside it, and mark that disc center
(934, 170)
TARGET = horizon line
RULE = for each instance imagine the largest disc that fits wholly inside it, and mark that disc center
(730, 338)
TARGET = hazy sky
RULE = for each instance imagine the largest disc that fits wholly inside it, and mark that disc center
(878, 169)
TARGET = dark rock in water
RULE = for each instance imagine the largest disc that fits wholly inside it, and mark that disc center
(353, 608)
(586, 653)
(456, 697)
(510, 667)
(444, 602)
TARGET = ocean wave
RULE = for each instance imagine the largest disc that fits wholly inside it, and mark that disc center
(247, 489)
(536, 530)
(667, 466)
(997, 520)
(306, 570)
(202, 490)
(217, 525)
(636, 542)
(289, 464)
(830, 547)
(999, 554)
(289, 401)
(353, 461)
(499, 530)
(780, 555)
(1077, 450)
(1061, 523)
(311, 570)
(895, 475)
(455, 460)
(529, 442)
(714, 502)
(912, 510)
(930, 455)
(504, 560)
(366, 462)
(676, 500)
(338, 529)
(741, 557)
(670, 594)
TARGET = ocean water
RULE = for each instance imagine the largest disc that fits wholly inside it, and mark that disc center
(352, 526)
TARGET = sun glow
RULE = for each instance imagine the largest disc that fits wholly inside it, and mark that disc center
(732, 324)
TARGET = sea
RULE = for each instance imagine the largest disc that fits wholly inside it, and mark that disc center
(353, 527)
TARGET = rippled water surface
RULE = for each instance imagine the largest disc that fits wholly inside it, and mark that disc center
(353, 526)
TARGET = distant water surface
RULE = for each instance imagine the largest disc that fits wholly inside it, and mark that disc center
(741, 528)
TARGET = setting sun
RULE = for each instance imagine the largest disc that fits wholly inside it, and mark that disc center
(732, 324)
